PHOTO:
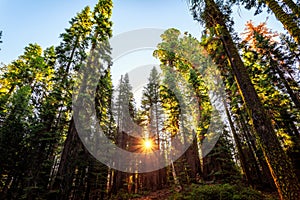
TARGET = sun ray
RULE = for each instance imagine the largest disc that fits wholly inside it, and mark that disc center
(147, 145)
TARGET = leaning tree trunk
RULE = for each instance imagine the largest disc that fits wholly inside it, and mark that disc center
(289, 90)
(239, 147)
(65, 173)
(294, 7)
(280, 165)
(285, 19)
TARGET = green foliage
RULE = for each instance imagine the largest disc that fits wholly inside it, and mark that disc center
(32, 70)
(101, 18)
(219, 165)
(124, 107)
(35, 105)
(151, 110)
(218, 192)
(88, 29)
(181, 62)
(124, 195)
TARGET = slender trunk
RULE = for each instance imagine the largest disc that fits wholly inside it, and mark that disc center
(238, 146)
(176, 181)
(251, 146)
(72, 56)
(280, 165)
(293, 96)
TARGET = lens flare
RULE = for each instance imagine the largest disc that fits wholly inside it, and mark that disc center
(148, 144)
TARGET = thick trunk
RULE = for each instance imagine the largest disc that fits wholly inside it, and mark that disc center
(285, 19)
(278, 162)
(294, 7)
(67, 166)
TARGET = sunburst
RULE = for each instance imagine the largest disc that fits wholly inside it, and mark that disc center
(147, 145)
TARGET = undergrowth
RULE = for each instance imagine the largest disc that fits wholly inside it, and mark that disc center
(219, 192)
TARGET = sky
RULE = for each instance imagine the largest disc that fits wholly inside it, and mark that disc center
(42, 21)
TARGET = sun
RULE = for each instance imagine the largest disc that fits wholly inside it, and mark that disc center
(148, 144)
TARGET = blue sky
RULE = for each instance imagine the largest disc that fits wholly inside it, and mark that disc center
(42, 21)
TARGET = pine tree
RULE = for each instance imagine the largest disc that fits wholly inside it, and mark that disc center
(152, 121)
(179, 66)
(262, 41)
(88, 29)
(124, 112)
(151, 106)
(13, 148)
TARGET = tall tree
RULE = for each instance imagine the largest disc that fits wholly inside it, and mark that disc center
(262, 40)
(152, 121)
(280, 165)
(124, 112)
(151, 106)
(88, 29)
(180, 65)
(71, 54)
(272, 73)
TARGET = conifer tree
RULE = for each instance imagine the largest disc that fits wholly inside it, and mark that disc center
(152, 121)
(289, 20)
(272, 73)
(89, 29)
(34, 71)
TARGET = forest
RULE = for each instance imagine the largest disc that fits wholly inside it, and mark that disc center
(60, 112)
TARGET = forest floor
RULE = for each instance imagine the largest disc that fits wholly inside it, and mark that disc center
(163, 194)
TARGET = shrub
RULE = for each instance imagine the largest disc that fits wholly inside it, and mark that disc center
(218, 192)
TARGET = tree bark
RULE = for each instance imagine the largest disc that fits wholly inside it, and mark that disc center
(294, 7)
(285, 19)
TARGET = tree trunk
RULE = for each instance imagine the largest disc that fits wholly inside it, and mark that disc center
(293, 96)
(294, 7)
(285, 19)
(238, 146)
(67, 166)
